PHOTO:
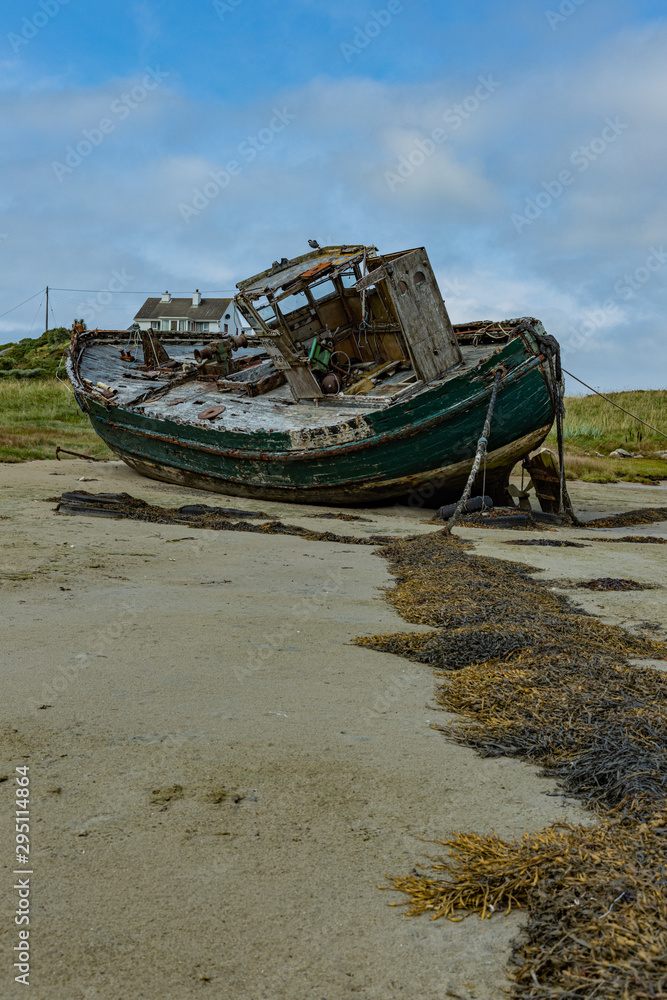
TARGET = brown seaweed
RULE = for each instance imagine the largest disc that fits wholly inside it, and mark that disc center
(533, 678)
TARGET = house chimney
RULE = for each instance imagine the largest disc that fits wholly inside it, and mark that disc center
(166, 297)
(196, 298)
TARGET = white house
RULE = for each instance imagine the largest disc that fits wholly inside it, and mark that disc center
(208, 316)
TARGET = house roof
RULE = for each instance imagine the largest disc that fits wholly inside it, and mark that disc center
(209, 309)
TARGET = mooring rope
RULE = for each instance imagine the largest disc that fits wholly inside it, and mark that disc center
(556, 370)
(481, 451)
(550, 349)
(557, 383)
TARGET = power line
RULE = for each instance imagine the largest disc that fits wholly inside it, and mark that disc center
(127, 291)
(36, 315)
(215, 291)
(22, 303)
(70, 301)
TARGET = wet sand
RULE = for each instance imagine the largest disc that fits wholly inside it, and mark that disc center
(221, 662)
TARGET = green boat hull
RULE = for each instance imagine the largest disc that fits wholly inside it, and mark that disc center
(423, 446)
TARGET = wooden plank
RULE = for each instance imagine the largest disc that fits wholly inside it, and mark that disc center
(275, 353)
(371, 278)
(424, 320)
(299, 377)
(303, 383)
(265, 384)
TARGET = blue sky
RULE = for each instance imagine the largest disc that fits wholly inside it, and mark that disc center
(157, 145)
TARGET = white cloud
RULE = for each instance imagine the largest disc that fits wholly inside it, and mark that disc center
(324, 175)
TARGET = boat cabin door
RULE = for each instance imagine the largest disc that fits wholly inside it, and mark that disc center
(421, 312)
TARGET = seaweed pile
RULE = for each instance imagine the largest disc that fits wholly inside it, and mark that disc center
(557, 543)
(339, 515)
(612, 583)
(642, 515)
(484, 608)
(123, 505)
(640, 539)
(533, 679)
(603, 583)
(596, 922)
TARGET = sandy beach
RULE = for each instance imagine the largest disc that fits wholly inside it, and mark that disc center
(219, 779)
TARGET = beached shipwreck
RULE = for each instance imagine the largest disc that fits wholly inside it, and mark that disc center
(350, 386)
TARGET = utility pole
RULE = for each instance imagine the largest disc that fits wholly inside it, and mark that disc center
(46, 321)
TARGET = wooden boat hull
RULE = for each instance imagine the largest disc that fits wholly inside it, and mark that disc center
(441, 484)
(423, 447)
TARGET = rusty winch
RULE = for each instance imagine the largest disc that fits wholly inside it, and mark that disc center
(216, 358)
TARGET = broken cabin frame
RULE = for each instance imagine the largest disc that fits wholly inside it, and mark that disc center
(367, 308)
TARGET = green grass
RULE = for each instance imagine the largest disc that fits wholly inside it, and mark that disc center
(38, 414)
(593, 424)
(594, 428)
(607, 470)
(37, 357)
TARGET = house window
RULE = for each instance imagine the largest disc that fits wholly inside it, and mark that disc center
(201, 327)
(183, 325)
(164, 324)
